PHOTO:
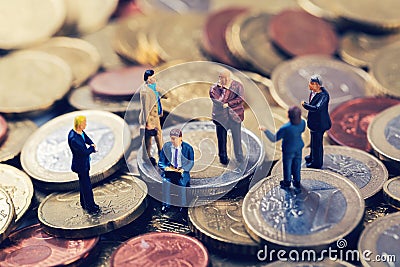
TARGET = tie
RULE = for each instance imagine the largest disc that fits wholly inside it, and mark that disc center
(176, 158)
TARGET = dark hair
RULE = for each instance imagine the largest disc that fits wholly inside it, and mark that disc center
(316, 79)
(175, 132)
(147, 74)
(294, 115)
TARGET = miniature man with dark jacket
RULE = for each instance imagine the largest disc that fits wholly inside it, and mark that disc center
(318, 120)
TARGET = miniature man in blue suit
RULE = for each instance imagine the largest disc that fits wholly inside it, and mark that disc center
(292, 145)
(176, 156)
(78, 141)
(318, 120)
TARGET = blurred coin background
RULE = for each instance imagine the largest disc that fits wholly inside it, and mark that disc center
(59, 56)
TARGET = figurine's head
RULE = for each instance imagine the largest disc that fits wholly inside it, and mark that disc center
(176, 137)
(315, 83)
(149, 76)
(225, 78)
(294, 114)
(80, 123)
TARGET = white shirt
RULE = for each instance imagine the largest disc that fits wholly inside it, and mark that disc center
(179, 158)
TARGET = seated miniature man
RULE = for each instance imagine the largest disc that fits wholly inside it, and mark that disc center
(176, 161)
(292, 146)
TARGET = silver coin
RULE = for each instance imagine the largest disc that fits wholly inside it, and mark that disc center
(209, 179)
(365, 171)
(380, 240)
(47, 158)
(328, 208)
(7, 218)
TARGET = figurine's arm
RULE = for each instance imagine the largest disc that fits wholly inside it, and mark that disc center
(214, 95)
(238, 99)
(274, 137)
(163, 161)
(87, 139)
(315, 108)
(188, 163)
(81, 150)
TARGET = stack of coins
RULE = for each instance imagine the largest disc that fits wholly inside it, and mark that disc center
(60, 59)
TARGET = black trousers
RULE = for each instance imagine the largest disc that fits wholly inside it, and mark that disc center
(235, 128)
(317, 149)
(86, 191)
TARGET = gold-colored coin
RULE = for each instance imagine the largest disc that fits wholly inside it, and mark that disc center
(365, 171)
(269, 6)
(381, 240)
(18, 132)
(385, 69)
(370, 14)
(320, 8)
(82, 57)
(264, 84)
(83, 98)
(87, 16)
(47, 158)
(131, 41)
(7, 218)
(328, 208)
(19, 187)
(247, 39)
(26, 22)
(31, 81)
(121, 201)
(383, 135)
(220, 226)
(176, 37)
(359, 49)
(391, 192)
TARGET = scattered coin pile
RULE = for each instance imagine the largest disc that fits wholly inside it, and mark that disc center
(60, 58)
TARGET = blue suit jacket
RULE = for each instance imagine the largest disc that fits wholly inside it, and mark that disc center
(80, 153)
(291, 135)
(318, 119)
(187, 157)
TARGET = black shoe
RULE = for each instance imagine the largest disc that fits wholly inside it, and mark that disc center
(164, 209)
(153, 161)
(297, 190)
(93, 209)
(313, 165)
(308, 159)
(284, 185)
(296, 185)
(224, 161)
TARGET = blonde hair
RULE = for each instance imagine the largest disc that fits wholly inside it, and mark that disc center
(78, 120)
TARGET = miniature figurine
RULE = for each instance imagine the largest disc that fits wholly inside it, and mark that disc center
(318, 120)
(176, 161)
(77, 141)
(292, 145)
(228, 113)
(150, 113)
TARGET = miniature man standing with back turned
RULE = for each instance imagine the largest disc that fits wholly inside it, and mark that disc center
(318, 120)
(228, 113)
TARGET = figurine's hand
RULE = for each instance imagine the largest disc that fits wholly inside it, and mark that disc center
(95, 147)
(169, 169)
(302, 103)
(225, 105)
(262, 128)
(181, 170)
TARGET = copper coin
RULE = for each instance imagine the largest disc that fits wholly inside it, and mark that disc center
(161, 249)
(118, 83)
(214, 42)
(31, 246)
(298, 33)
(350, 120)
(3, 129)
